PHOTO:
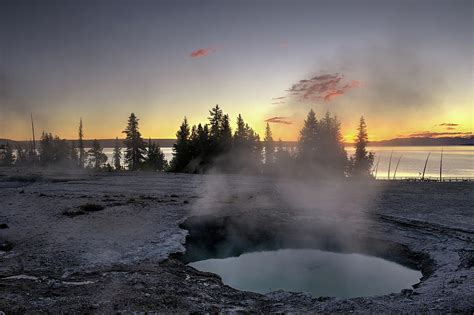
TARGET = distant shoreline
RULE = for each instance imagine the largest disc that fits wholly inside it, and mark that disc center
(397, 142)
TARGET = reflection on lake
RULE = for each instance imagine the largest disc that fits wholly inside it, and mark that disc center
(318, 272)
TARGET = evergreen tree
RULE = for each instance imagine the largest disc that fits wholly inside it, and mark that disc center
(21, 156)
(46, 149)
(53, 150)
(181, 149)
(73, 157)
(135, 146)
(82, 152)
(215, 121)
(225, 135)
(6, 155)
(332, 156)
(309, 139)
(117, 155)
(269, 146)
(96, 157)
(155, 158)
(362, 160)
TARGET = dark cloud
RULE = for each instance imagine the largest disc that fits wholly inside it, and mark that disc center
(324, 87)
(202, 52)
(450, 128)
(279, 120)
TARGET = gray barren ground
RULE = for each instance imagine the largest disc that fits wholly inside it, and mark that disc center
(106, 243)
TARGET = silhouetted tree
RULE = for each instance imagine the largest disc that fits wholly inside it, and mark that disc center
(117, 155)
(362, 161)
(21, 156)
(135, 146)
(269, 147)
(155, 158)
(82, 151)
(53, 150)
(332, 156)
(181, 149)
(6, 155)
(96, 157)
(73, 157)
(215, 121)
(225, 135)
(309, 139)
(320, 149)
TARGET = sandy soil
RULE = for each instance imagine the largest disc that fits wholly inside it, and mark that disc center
(56, 257)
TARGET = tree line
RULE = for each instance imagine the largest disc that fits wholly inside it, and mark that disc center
(214, 145)
(320, 149)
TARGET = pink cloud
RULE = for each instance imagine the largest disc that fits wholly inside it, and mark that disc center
(202, 52)
(324, 87)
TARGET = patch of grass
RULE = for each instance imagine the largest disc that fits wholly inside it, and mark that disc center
(91, 207)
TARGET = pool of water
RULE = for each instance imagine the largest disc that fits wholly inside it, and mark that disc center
(320, 273)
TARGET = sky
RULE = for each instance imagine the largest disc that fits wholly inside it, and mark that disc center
(406, 65)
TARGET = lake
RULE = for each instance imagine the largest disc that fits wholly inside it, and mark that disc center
(458, 161)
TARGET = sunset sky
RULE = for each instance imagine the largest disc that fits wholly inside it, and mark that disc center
(406, 65)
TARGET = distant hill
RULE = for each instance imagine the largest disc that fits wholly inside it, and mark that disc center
(105, 143)
(418, 141)
(446, 141)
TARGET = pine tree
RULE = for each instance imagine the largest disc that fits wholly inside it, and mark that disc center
(269, 146)
(181, 149)
(332, 157)
(82, 151)
(309, 138)
(215, 121)
(225, 135)
(117, 155)
(362, 160)
(96, 157)
(155, 158)
(73, 157)
(21, 156)
(46, 149)
(135, 146)
(6, 155)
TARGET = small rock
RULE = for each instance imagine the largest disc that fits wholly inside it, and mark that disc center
(407, 292)
(3, 226)
(6, 246)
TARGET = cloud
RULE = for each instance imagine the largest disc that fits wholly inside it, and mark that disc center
(429, 134)
(279, 120)
(201, 52)
(323, 87)
(450, 128)
(449, 124)
(279, 98)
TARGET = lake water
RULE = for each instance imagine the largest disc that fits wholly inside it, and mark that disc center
(318, 272)
(458, 161)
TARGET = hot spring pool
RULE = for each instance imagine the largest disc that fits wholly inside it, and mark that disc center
(320, 273)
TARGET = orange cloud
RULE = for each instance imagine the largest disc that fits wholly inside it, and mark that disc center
(449, 124)
(202, 52)
(278, 120)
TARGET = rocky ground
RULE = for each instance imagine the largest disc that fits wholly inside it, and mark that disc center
(100, 243)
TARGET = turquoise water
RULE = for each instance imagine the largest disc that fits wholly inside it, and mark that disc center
(320, 273)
